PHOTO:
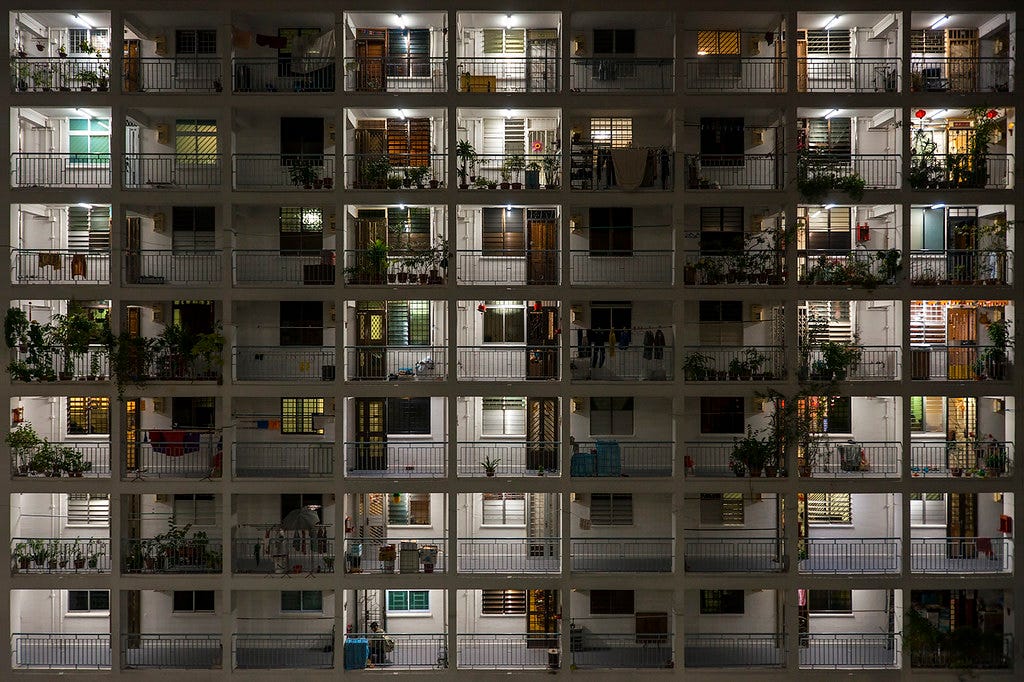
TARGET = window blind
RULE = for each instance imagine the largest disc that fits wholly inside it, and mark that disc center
(504, 416)
(927, 322)
(611, 509)
(88, 509)
(927, 509)
(829, 508)
(511, 41)
(503, 602)
(504, 509)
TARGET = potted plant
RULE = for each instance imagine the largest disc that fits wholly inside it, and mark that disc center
(16, 326)
(87, 79)
(377, 261)
(94, 557)
(490, 466)
(328, 563)
(737, 467)
(515, 165)
(697, 367)
(22, 72)
(889, 265)
(551, 163)
(21, 556)
(375, 171)
(62, 51)
(394, 181)
(303, 173)
(483, 183)
(532, 175)
(77, 553)
(506, 176)
(71, 334)
(839, 359)
(22, 439)
(996, 357)
(467, 158)
(208, 349)
(432, 179)
(418, 174)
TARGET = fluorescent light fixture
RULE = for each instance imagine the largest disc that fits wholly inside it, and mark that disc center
(816, 214)
(84, 205)
(401, 114)
(940, 21)
(832, 113)
(701, 53)
(508, 208)
(401, 20)
(508, 113)
(829, 207)
(401, 207)
(508, 21)
(831, 21)
(80, 20)
(937, 114)
(937, 206)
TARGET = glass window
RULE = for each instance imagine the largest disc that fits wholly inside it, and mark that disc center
(611, 132)
(302, 601)
(503, 231)
(721, 509)
(84, 601)
(504, 509)
(503, 602)
(614, 41)
(407, 601)
(409, 509)
(193, 228)
(721, 415)
(927, 509)
(88, 416)
(195, 140)
(717, 602)
(193, 601)
(611, 416)
(612, 602)
(927, 414)
(510, 41)
(829, 508)
(89, 141)
(827, 414)
(199, 510)
(611, 509)
(408, 323)
(409, 416)
(718, 43)
(505, 322)
(88, 509)
(830, 601)
(297, 415)
(195, 41)
(504, 417)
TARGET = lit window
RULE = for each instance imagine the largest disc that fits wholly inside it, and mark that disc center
(88, 509)
(612, 132)
(89, 141)
(504, 509)
(505, 322)
(195, 140)
(503, 602)
(504, 417)
(829, 508)
(718, 602)
(297, 415)
(409, 509)
(88, 416)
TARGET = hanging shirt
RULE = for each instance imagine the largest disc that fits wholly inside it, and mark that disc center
(659, 345)
(611, 343)
(648, 344)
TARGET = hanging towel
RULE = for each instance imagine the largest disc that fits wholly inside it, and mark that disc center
(49, 259)
(274, 42)
(240, 39)
(625, 336)
(648, 345)
(659, 345)
(630, 165)
(611, 343)
(78, 266)
(262, 424)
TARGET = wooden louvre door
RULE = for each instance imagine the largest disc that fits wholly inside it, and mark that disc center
(542, 255)
(961, 341)
(371, 47)
(541, 619)
(801, 62)
(371, 434)
(542, 343)
(961, 525)
(408, 141)
(132, 251)
(132, 66)
(370, 143)
(131, 435)
(370, 225)
(542, 523)
(542, 433)
(962, 50)
(371, 339)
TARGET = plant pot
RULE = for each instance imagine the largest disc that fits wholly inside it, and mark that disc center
(318, 184)
(463, 185)
(24, 562)
(550, 185)
(392, 277)
(434, 184)
(51, 565)
(804, 470)
(65, 376)
(403, 277)
(740, 474)
(93, 563)
(992, 471)
(23, 470)
(770, 472)
(505, 185)
(407, 183)
(517, 185)
(328, 183)
(85, 88)
(428, 568)
(423, 278)
(79, 564)
(489, 474)
(755, 473)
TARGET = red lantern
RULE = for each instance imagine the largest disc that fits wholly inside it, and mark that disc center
(991, 113)
(536, 306)
(481, 308)
(920, 113)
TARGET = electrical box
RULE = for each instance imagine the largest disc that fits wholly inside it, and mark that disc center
(160, 223)
(163, 134)
(160, 46)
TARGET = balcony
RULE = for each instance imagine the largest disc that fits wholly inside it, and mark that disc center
(872, 363)
(278, 650)
(172, 171)
(283, 171)
(509, 555)
(611, 650)
(157, 364)
(54, 459)
(621, 168)
(396, 363)
(735, 75)
(878, 171)
(960, 74)
(60, 651)
(848, 650)
(60, 170)
(283, 363)
(169, 553)
(959, 363)
(747, 363)
(367, 267)
(171, 650)
(397, 171)
(848, 74)
(734, 554)
(508, 74)
(959, 458)
(618, 555)
(516, 268)
(283, 460)
(961, 266)
(396, 74)
(857, 459)
(498, 171)
(396, 459)
(850, 555)
(65, 556)
(622, 74)
(287, 75)
(635, 363)
(172, 74)
(961, 171)
(53, 266)
(60, 364)
(708, 268)
(274, 267)
(616, 268)
(384, 556)
(730, 650)
(177, 268)
(516, 459)
(995, 650)
(173, 453)
(46, 74)
(521, 363)
(269, 551)
(635, 459)
(739, 171)
(498, 651)
(961, 555)
(859, 268)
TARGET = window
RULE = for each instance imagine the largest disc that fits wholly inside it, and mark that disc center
(408, 601)
(194, 412)
(89, 141)
(293, 37)
(504, 417)
(302, 601)
(611, 509)
(408, 323)
(94, 38)
(408, 52)
(408, 141)
(611, 416)
(827, 414)
(195, 140)
(721, 415)
(721, 229)
(195, 41)
(721, 141)
(503, 232)
(504, 41)
(927, 509)
(84, 601)
(88, 509)
(927, 322)
(721, 323)
(505, 322)
(928, 41)
(829, 229)
(719, 602)
(409, 416)
(192, 228)
(409, 509)
(821, 321)
(504, 509)
(611, 132)
(718, 43)
(927, 414)
(88, 416)
(302, 323)
(611, 231)
(721, 509)
(408, 230)
(193, 601)
(829, 508)
(302, 228)
(297, 415)
(89, 228)
(612, 602)
(607, 315)
(614, 41)
(830, 601)
(822, 42)
(199, 510)
(826, 136)
(503, 602)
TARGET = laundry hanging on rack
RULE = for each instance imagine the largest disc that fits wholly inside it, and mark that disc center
(648, 344)
(78, 265)
(611, 343)
(50, 260)
(659, 345)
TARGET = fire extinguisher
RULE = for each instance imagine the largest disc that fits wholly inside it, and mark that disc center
(863, 232)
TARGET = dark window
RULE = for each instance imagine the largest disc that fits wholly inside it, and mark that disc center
(193, 413)
(505, 322)
(88, 416)
(721, 415)
(302, 228)
(827, 414)
(605, 315)
(614, 41)
(830, 601)
(721, 229)
(88, 600)
(714, 602)
(193, 228)
(503, 602)
(193, 600)
(302, 140)
(503, 232)
(829, 229)
(721, 141)
(408, 52)
(302, 323)
(611, 231)
(197, 509)
(611, 416)
(611, 509)
(612, 602)
(409, 416)
(721, 311)
(302, 600)
(197, 317)
(195, 41)
(292, 501)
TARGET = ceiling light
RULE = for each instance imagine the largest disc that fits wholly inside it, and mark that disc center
(701, 53)
(940, 21)
(80, 20)
(938, 114)
(401, 114)
(84, 205)
(508, 21)
(937, 206)
(831, 21)
(831, 113)
(829, 207)
(508, 113)
(401, 20)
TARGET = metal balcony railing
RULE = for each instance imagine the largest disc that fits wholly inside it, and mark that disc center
(959, 363)
(508, 74)
(734, 171)
(635, 363)
(515, 459)
(708, 459)
(961, 171)
(276, 74)
(879, 171)
(861, 267)
(396, 554)
(279, 650)
(849, 650)
(961, 74)
(165, 366)
(735, 74)
(172, 74)
(960, 458)
(60, 170)
(850, 555)
(497, 651)
(635, 459)
(961, 266)
(283, 363)
(174, 453)
(616, 555)
(58, 364)
(186, 651)
(857, 459)
(283, 460)
(622, 74)
(741, 363)
(616, 268)
(761, 267)
(495, 171)
(616, 650)
(622, 168)
(734, 554)
(962, 556)
(46, 74)
(276, 267)
(995, 650)
(519, 363)
(95, 455)
(877, 363)
(300, 172)
(514, 555)
(190, 555)
(508, 266)
(415, 268)
(172, 171)
(396, 459)
(396, 363)
(405, 171)
(58, 650)
(281, 553)
(848, 74)
(178, 268)
(396, 74)
(734, 650)
(50, 266)
(60, 555)
(414, 651)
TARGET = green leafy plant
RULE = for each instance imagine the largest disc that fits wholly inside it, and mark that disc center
(515, 164)
(466, 154)
(22, 440)
(698, 367)
(490, 465)
(303, 173)
(375, 171)
(71, 334)
(16, 326)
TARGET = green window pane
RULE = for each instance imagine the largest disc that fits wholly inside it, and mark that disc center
(99, 125)
(312, 600)
(398, 600)
(78, 144)
(419, 600)
(99, 145)
(291, 601)
(78, 124)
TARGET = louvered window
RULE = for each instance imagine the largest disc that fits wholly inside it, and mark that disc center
(504, 417)
(831, 43)
(408, 52)
(409, 416)
(829, 229)
(721, 509)
(718, 43)
(830, 601)
(88, 416)
(193, 228)
(89, 228)
(515, 136)
(829, 135)
(927, 323)
(717, 602)
(504, 41)
(408, 142)
(928, 42)
(927, 414)
(504, 509)
(88, 509)
(611, 509)
(611, 132)
(503, 232)
(409, 509)
(195, 141)
(927, 509)
(823, 321)
(505, 322)
(611, 416)
(827, 414)
(721, 229)
(408, 229)
(829, 508)
(408, 323)
(503, 602)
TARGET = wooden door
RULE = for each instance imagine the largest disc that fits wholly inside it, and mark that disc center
(962, 50)
(132, 66)
(370, 53)
(371, 434)
(542, 255)
(542, 433)
(371, 339)
(961, 525)
(542, 343)
(541, 619)
(131, 435)
(961, 341)
(801, 65)
(133, 249)
(370, 143)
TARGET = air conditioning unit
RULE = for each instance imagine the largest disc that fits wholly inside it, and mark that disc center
(163, 134)
(160, 223)
(163, 499)
(159, 404)
(160, 46)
